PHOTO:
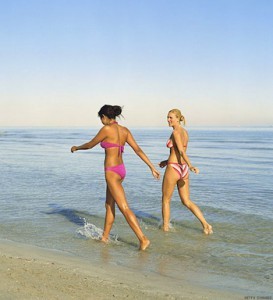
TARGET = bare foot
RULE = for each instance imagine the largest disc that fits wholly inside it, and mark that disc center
(144, 244)
(208, 229)
(104, 240)
(165, 228)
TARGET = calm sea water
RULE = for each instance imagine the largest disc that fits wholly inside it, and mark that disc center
(54, 199)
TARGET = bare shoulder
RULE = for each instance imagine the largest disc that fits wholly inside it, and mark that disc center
(124, 129)
(125, 132)
(184, 130)
(176, 133)
(106, 128)
(185, 133)
(180, 133)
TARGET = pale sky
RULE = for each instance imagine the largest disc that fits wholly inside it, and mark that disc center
(61, 60)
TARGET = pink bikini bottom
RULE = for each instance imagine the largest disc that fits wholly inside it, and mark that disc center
(119, 169)
(182, 169)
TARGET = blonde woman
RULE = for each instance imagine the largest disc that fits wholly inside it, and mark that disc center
(177, 172)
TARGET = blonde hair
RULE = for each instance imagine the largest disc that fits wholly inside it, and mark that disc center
(178, 114)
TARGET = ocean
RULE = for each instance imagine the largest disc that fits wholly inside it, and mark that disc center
(54, 199)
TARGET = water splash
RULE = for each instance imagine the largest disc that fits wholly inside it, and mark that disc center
(91, 231)
(171, 226)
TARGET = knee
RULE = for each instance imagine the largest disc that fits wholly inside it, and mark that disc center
(107, 206)
(186, 202)
(166, 199)
(124, 209)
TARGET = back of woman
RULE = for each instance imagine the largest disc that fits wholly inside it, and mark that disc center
(112, 137)
(116, 137)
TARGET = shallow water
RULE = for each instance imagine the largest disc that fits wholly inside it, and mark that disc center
(55, 199)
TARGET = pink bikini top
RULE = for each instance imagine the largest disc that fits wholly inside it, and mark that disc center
(169, 144)
(107, 145)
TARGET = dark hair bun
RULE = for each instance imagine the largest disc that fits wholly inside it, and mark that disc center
(117, 110)
(110, 111)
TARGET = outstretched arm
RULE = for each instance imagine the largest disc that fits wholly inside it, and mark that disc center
(131, 141)
(101, 135)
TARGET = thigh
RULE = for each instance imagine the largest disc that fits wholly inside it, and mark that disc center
(183, 189)
(114, 185)
(169, 181)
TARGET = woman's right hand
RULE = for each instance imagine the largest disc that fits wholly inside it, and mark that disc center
(155, 173)
(73, 149)
(163, 164)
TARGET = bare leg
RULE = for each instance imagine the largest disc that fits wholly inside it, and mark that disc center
(118, 194)
(109, 215)
(184, 193)
(169, 182)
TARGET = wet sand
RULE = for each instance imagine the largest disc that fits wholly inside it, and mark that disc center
(29, 272)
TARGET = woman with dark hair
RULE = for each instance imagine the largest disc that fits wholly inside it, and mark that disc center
(177, 170)
(112, 137)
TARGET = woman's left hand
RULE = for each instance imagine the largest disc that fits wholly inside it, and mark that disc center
(195, 170)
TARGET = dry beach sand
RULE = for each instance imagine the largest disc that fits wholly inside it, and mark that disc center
(29, 272)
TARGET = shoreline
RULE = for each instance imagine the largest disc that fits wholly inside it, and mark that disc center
(30, 272)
